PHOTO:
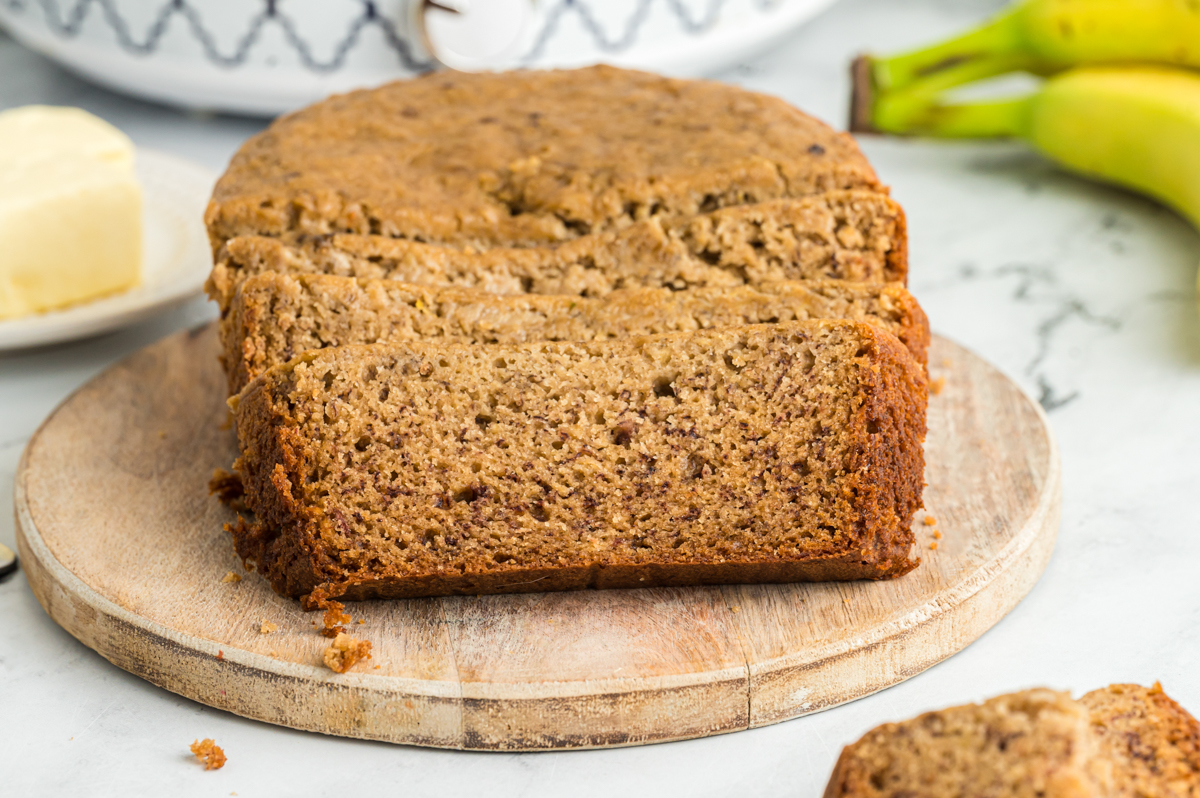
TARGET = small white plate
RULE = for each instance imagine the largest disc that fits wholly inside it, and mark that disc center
(176, 259)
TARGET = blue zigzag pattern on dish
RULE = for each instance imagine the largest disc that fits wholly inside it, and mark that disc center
(628, 35)
(68, 24)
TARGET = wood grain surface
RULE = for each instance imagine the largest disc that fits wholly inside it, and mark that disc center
(124, 548)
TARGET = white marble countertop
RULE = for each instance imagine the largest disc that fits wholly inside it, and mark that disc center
(1084, 294)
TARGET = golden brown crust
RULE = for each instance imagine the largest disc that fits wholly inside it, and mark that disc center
(870, 464)
(275, 317)
(848, 235)
(525, 158)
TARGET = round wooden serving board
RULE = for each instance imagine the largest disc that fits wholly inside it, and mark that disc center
(125, 549)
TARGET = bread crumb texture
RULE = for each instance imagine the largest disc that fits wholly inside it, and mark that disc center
(268, 627)
(843, 235)
(1122, 740)
(1153, 742)
(764, 453)
(276, 316)
(209, 754)
(231, 577)
(346, 650)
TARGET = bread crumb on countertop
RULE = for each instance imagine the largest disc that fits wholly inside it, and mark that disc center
(209, 754)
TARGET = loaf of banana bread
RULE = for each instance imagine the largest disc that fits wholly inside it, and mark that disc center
(853, 235)
(275, 317)
(1122, 740)
(525, 158)
(761, 453)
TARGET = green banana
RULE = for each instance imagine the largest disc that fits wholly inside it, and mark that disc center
(1047, 36)
(1135, 126)
(1138, 127)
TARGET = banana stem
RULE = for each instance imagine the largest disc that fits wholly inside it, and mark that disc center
(874, 112)
(999, 37)
(969, 72)
(915, 115)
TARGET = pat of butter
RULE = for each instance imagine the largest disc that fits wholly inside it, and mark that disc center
(70, 210)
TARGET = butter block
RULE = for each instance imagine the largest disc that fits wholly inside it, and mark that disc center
(70, 210)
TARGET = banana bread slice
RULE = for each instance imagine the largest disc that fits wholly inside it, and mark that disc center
(1033, 744)
(1153, 743)
(764, 453)
(1122, 740)
(525, 158)
(853, 235)
(275, 316)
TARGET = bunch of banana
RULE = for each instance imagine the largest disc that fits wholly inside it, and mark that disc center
(1121, 99)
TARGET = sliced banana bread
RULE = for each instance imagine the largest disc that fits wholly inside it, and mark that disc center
(1122, 740)
(275, 317)
(854, 235)
(762, 453)
(1153, 743)
(525, 158)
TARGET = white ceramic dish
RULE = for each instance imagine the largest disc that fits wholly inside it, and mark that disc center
(264, 57)
(176, 259)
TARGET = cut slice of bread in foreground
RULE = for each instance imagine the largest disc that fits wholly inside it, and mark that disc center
(1153, 743)
(276, 317)
(766, 453)
(1122, 740)
(850, 235)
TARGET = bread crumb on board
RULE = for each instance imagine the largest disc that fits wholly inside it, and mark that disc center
(930, 520)
(209, 754)
(228, 488)
(933, 546)
(345, 651)
(937, 386)
(268, 627)
(231, 577)
(334, 619)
